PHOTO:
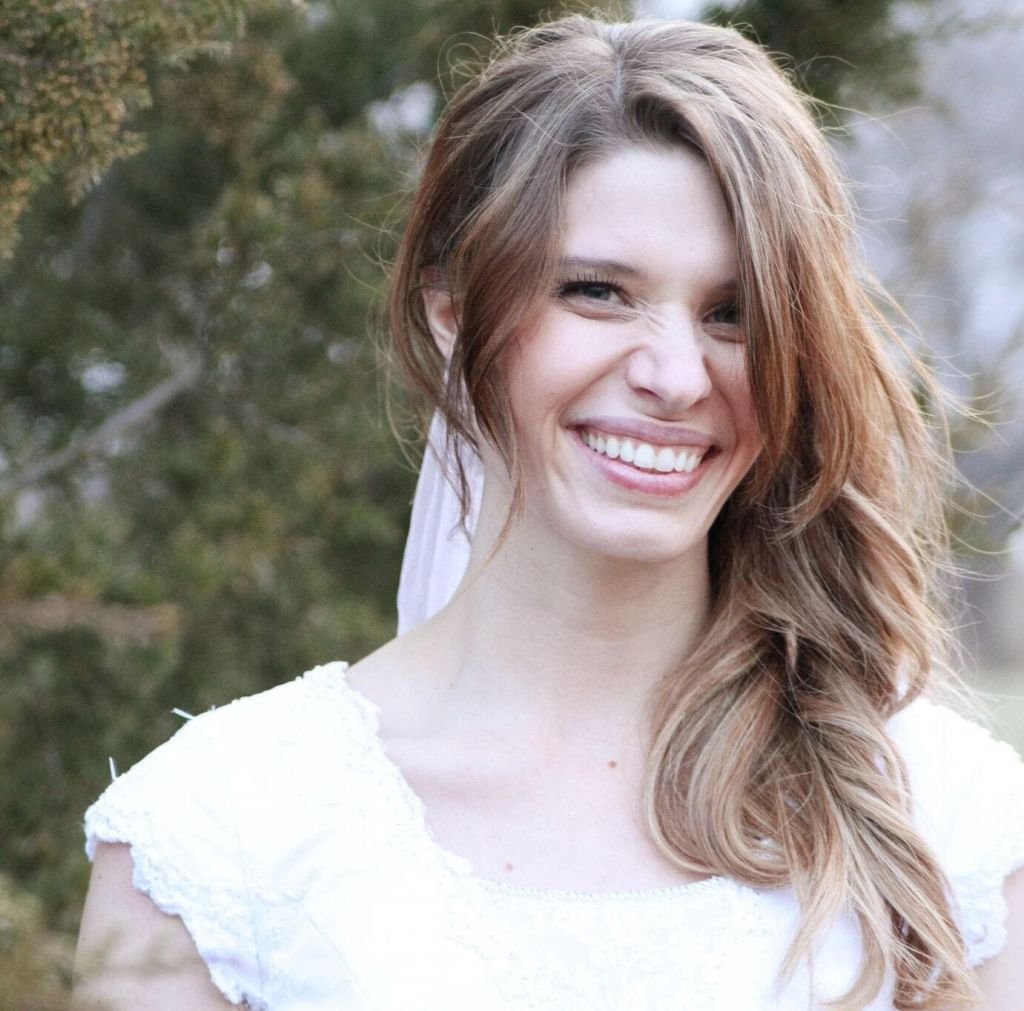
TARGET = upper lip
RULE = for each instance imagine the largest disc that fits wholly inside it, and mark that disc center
(653, 432)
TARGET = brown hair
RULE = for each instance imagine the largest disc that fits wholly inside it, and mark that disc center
(771, 762)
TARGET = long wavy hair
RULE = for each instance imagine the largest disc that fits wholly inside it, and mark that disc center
(770, 760)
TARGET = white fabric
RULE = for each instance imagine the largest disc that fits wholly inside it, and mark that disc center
(437, 548)
(300, 861)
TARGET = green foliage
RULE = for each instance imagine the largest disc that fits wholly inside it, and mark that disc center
(250, 524)
(71, 74)
(35, 963)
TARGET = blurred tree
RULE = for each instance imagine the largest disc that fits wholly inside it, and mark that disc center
(34, 961)
(198, 492)
(72, 72)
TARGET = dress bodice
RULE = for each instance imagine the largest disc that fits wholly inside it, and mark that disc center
(300, 861)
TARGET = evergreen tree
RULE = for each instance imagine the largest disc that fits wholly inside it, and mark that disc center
(199, 491)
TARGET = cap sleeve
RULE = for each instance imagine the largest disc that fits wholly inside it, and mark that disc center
(175, 810)
(968, 802)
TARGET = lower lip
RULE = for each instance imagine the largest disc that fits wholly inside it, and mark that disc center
(649, 482)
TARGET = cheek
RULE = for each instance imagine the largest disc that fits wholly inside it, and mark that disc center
(551, 367)
(735, 385)
(748, 444)
(747, 413)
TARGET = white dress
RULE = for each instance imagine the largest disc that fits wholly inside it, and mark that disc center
(299, 859)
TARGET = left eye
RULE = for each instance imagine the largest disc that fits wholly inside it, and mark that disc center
(728, 314)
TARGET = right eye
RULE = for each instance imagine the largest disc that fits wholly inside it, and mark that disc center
(590, 289)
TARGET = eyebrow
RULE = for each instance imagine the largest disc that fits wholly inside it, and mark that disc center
(600, 266)
(620, 269)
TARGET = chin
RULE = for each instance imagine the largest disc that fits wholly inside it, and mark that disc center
(640, 545)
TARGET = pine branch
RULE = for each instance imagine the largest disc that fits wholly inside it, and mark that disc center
(119, 424)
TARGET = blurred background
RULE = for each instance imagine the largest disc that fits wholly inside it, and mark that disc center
(200, 496)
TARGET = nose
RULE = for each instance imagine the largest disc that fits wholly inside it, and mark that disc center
(670, 366)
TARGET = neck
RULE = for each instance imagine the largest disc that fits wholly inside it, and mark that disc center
(557, 632)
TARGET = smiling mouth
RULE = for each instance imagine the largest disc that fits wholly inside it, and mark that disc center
(644, 455)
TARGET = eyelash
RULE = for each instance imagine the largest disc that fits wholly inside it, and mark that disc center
(576, 285)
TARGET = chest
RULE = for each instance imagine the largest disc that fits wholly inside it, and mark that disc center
(573, 825)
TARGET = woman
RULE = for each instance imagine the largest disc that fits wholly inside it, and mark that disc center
(667, 745)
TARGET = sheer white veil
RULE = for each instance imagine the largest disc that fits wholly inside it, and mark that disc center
(437, 548)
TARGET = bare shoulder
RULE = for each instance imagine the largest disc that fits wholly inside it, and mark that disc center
(379, 676)
(379, 669)
(403, 679)
(130, 953)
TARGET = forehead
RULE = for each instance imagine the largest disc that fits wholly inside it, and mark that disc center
(654, 210)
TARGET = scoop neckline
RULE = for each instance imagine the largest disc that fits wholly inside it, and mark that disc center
(415, 809)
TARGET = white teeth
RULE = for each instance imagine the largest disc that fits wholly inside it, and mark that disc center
(644, 457)
(686, 462)
(665, 459)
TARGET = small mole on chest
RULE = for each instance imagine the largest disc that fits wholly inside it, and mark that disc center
(612, 764)
(509, 866)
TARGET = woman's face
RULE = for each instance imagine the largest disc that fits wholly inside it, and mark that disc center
(629, 394)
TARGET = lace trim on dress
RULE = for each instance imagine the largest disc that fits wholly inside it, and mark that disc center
(451, 916)
(979, 895)
(219, 920)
